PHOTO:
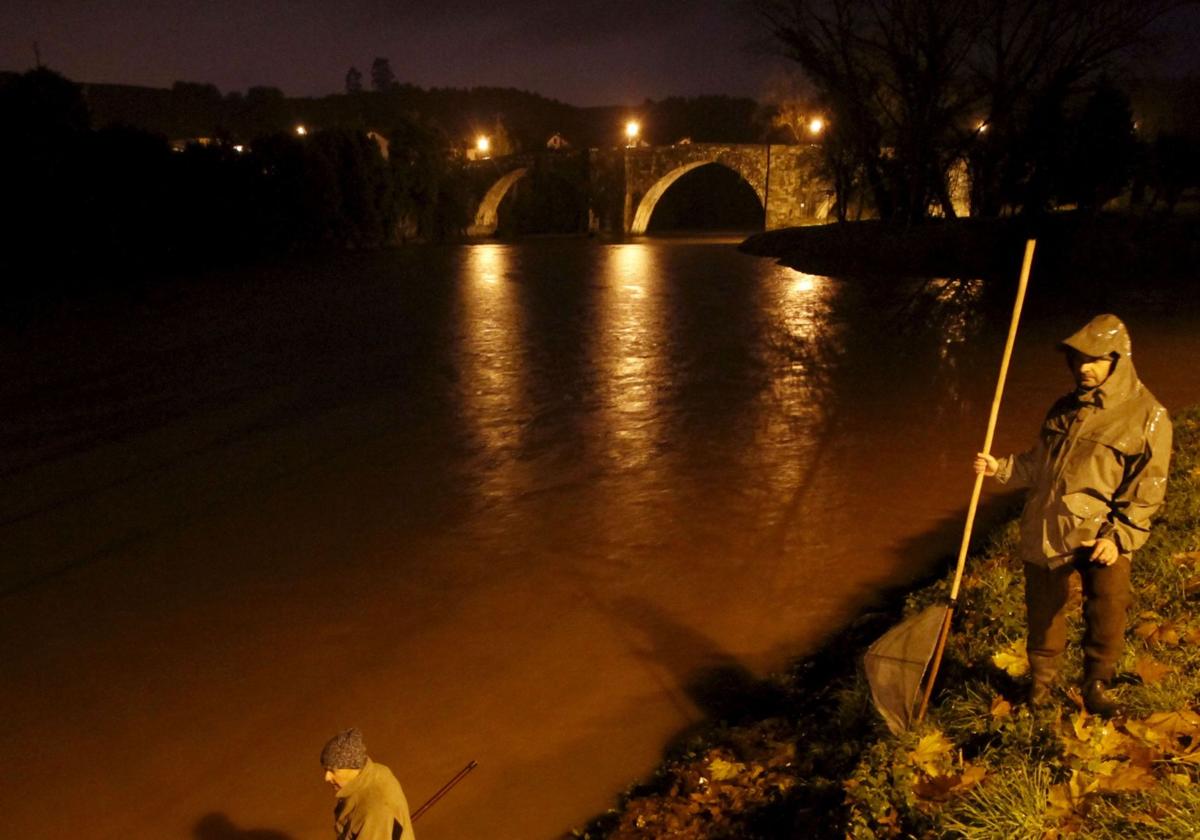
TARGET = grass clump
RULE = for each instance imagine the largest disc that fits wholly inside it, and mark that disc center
(808, 756)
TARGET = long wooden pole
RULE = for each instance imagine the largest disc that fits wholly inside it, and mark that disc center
(944, 633)
(443, 790)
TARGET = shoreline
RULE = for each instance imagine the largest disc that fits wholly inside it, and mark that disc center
(821, 761)
(1072, 246)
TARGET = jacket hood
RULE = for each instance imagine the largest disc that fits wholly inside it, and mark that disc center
(1106, 335)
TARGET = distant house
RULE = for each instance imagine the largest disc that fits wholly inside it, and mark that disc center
(181, 143)
(380, 141)
(557, 141)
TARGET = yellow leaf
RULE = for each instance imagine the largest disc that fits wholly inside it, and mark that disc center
(1059, 802)
(1113, 742)
(929, 749)
(1079, 724)
(973, 774)
(720, 769)
(1012, 659)
(1145, 629)
(1178, 723)
(1001, 708)
(1181, 779)
(1081, 785)
(1128, 777)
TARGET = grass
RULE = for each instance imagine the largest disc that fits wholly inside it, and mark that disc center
(982, 765)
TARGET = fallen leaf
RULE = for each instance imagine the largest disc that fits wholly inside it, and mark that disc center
(1012, 659)
(1158, 632)
(929, 749)
(1180, 722)
(1151, 670)
(935, 788)
(1001, 708)
(1180, 779)
(1128, 777)
(721, 770)
(1191, 586)
(1079, 725)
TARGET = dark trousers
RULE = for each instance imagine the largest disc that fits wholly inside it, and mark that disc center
(1106, 599)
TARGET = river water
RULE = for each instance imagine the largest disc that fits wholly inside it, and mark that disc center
(530, 504)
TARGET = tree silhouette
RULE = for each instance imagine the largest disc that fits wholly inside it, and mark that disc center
(382, 77)
(916, 86)
(354, 80)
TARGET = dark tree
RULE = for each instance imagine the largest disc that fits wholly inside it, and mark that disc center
(382, 77)
(918, 85)
(1105, 149)
(354, 80)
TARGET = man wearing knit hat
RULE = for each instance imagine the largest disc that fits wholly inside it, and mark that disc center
(370, 804)
(1097, 475)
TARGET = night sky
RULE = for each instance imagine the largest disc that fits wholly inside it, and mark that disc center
(601, 52)
(589, 53)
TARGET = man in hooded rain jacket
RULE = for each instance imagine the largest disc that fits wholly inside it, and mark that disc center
(1097, 475)
(370, 804)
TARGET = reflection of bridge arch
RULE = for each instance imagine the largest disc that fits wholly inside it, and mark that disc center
(645, 208)
(488, 214)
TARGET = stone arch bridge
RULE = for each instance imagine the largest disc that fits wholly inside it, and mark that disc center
(623, 186)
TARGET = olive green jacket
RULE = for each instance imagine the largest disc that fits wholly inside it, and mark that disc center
(372, 807)
(1099, 468)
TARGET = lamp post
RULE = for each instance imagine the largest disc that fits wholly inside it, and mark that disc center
(632, 129)
(483, 147)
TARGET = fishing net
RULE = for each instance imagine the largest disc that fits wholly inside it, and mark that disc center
(896, 661)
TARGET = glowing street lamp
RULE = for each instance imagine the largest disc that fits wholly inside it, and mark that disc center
(632, 130)
(815, 126)
(483, 146)
(981, 127)
(301, 130)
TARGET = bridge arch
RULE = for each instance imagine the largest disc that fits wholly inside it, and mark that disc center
(645, 208)
(487, 217)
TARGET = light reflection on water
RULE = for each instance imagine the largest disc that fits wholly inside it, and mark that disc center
(490, 362)
(629, 362)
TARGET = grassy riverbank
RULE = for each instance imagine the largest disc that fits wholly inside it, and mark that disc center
(1071, 246)
(809, 756)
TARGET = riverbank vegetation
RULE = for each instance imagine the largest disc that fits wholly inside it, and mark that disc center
(1076, 247)
(805, 754)
(87, 206)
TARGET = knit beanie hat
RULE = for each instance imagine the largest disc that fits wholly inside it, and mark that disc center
(345, 750)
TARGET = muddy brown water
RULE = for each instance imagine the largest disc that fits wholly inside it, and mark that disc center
(511, 503)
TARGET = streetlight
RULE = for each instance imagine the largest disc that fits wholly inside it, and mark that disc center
(301, 130)
(632, 130)
(483, 146)
(816, 125)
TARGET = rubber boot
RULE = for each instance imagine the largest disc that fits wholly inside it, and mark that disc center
(1040, 694)
(1097, 700)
